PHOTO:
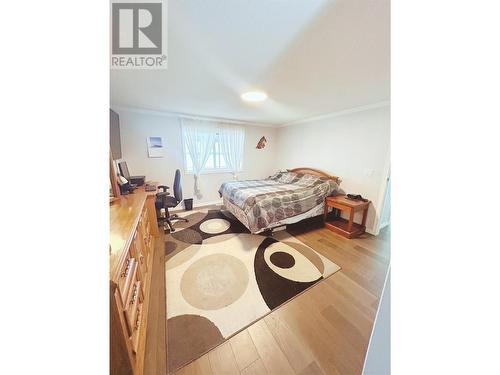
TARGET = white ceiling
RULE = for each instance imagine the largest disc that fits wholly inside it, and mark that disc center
(311, 56)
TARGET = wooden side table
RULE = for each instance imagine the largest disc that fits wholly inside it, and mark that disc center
(346, 228)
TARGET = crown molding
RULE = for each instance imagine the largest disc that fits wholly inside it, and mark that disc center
(145, 111)
(337, 113)
(250, 123)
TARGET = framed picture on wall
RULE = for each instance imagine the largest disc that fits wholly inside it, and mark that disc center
(155, 147)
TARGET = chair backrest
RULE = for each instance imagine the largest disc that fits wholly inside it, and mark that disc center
(177, 186)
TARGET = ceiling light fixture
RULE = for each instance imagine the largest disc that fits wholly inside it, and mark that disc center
(254, 96)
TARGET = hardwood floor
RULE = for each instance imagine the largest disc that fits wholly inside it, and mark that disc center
(323, 331)
(156, 343)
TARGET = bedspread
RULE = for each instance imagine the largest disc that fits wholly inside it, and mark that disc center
(281, 196)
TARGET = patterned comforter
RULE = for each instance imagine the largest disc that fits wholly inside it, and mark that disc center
(263, 204)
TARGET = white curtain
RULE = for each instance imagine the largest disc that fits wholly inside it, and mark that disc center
(199, 138)
(232, 140)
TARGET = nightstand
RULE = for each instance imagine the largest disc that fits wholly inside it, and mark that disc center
(346, 228)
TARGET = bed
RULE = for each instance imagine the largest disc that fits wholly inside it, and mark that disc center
(286, 197)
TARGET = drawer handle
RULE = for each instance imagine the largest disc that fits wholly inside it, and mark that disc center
(125, 273)
(137, 320)
(134, 295)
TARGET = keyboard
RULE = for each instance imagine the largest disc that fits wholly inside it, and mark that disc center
(150, 187)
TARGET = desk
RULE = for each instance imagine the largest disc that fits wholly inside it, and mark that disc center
(150, 204)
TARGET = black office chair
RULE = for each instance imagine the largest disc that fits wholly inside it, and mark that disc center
(166, 201)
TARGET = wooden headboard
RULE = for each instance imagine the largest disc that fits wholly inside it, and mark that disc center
(317, 172)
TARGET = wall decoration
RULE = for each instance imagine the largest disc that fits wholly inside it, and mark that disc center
(262, 143)
(155, 147)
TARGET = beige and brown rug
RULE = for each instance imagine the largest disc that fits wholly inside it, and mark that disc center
(220, 279)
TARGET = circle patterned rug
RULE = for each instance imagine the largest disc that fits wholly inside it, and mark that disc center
(220, 279)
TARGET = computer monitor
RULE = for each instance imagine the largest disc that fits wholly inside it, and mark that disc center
(124, 170)
(134, 180)
(114, 135)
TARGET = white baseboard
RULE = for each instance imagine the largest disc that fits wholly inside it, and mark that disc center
(202, 204)
(383, 225)
(197, 205)
(371, 231)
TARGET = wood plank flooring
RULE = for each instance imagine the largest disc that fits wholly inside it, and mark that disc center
(323, 331)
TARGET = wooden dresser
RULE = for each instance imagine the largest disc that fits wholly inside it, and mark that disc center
(132, 240)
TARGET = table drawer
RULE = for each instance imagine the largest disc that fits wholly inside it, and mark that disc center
(338, 206)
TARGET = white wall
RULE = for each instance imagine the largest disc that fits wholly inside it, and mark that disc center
(353, 146)
(136, 126)
(378, 356)
(385, 216)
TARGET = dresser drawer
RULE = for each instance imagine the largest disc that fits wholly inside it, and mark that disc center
(145, 219)
(144, 223)
(137, 328)
(127, 276)
(138, 249)
(134, 299)
(146, 231)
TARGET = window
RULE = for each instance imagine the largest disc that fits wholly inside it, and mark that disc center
(215, 161)
(211, 147)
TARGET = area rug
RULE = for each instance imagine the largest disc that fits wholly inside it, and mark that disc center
(220, 279)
